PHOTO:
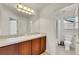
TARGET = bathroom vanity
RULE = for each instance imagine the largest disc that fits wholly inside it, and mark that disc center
(23, 45)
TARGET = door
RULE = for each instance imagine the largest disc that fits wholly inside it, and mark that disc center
(36, 46)
(43, 44)
(25, 48)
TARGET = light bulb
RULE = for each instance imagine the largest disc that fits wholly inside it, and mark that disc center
(18, 9)
(20, 6)
(32, 11)
(23, 11)
(25, 8)
(26, 12)
(29, 9)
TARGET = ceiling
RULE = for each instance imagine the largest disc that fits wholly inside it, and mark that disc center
(67, 11)
(36, 6)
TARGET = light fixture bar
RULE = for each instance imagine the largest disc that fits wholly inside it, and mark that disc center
(24, 9)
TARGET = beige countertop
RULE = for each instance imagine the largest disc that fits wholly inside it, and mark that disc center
(4, 41)
(9, 36)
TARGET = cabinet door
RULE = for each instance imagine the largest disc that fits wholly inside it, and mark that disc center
(36, 46)
(9, 50)
(43, 44)
(25, 48)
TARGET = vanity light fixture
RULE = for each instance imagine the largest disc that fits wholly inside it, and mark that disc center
(26, 12)
(25, 9)
(29, 9)
(18, 9)
(19, 6)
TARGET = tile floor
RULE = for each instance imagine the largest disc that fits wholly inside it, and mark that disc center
(61, 51)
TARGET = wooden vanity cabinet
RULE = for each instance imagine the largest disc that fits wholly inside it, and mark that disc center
(9, 50)
(31, 47)
(36, 46)
(25, 48)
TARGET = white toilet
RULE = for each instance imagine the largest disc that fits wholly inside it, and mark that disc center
(67, 42)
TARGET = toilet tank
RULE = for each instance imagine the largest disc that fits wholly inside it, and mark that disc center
(68, 37)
